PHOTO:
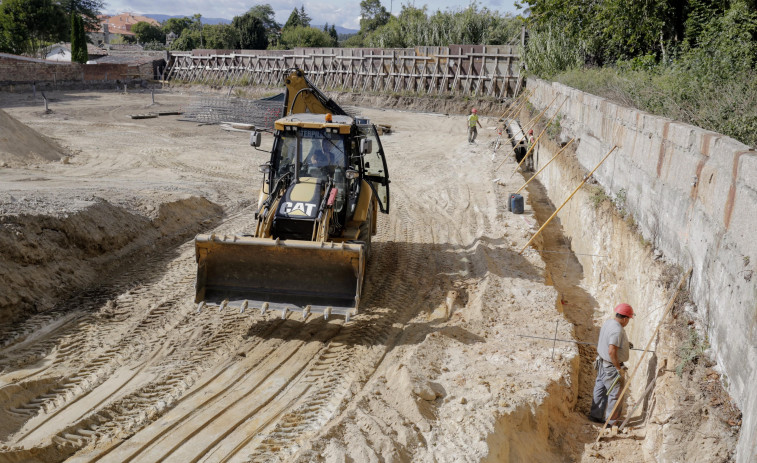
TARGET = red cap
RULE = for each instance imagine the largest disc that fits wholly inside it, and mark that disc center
(474, 110)
(531, 132)
(624, 309)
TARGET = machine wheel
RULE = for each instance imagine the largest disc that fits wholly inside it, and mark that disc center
(365, 232)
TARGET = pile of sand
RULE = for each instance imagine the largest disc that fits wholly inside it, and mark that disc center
(21, 145)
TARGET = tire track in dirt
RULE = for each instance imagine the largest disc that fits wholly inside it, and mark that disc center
(354, 356)
(145, 329)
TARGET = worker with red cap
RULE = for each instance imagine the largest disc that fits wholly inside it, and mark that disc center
(613, 349)
(472, 121)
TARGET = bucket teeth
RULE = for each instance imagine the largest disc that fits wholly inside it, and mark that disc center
(223, 305)
(284, 313)
(263, 308)
(200, 306)
(326, 313)
(244, 306)
(305, 312)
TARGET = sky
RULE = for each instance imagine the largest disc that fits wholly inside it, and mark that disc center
(345, 13)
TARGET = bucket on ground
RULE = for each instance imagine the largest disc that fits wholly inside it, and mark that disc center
(516, 203)
(510, 202)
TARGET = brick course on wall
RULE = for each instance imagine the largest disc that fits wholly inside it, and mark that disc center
(20, 70)
(694, 195)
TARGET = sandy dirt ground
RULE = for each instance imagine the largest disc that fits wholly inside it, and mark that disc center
(110, 361)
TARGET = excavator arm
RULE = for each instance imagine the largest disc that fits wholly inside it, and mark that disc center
(302, 96)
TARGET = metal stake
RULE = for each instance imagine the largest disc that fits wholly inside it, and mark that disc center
(568, 340)
(554, 342)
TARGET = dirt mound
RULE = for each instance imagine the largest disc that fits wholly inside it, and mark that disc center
(47, 257)
(21, 145)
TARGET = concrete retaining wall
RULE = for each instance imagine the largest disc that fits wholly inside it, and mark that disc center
(694, 195)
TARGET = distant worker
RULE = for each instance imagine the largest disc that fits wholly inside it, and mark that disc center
(613, 349)
(530, 161)
(472, 121)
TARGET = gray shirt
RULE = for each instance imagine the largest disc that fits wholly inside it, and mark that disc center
(613, 333)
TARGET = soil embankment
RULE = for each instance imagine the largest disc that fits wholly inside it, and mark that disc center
(594, 268)
(48, 258)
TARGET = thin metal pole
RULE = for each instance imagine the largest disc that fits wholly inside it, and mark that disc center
(566, 201)
(533, 121)
(554, 342)
(533, 145)
(545, 165)
(649, 343)
(568, 340)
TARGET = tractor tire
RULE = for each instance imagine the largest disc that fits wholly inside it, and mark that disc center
(365, 232)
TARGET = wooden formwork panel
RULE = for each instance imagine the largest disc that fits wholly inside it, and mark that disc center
(480, 70)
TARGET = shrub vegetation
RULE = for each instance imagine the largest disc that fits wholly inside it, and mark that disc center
(690, 60)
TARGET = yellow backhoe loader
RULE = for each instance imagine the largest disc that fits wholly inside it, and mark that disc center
(324, 184)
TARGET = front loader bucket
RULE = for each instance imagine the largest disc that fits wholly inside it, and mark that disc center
(279, 274)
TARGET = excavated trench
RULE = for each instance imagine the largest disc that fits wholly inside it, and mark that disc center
(433, 368)
(595, 257)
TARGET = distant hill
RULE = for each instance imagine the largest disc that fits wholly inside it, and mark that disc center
(162, 17)
(339, 29)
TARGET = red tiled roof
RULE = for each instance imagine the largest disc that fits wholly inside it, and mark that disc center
(122, 23)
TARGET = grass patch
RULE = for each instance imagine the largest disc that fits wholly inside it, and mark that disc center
(725, 106)
(692, 349)
(597, 196)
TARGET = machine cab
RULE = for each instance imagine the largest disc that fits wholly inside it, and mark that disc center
(309, 149)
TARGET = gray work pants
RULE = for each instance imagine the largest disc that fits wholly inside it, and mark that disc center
(602, 403)
(472, 132)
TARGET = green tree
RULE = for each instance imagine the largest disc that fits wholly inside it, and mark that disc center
(79, 52)
(252, 33)
(304, 18)
(372, 15)
(76, 45)
(472, 25)
(189, 39)
(147, 32)
(614, 30)
(88, 9)
(26, 25)
(294, 20)
(221, 36)
(177, 25)
(333, 34)
(305, 37)
(354, 41)
(266, 14)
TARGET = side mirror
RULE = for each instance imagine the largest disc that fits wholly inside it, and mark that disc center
(264, 168)
(352, 174)
(366, 146)
(255, 139)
